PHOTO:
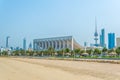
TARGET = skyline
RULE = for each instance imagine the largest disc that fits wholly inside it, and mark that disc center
(42, 19)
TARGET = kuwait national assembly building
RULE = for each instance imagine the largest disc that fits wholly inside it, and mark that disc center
(57, 43)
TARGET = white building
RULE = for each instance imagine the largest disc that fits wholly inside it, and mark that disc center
(118, 42)
(57, 43)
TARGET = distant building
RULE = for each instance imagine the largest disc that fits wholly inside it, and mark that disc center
(24, 44)
(102, 38)
(118, 42)
(57, 43)
(30, 47)
(96, 34)
(111, 40)
(7, 41)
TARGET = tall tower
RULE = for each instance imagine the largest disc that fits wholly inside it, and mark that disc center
(96, 33)
(102, 38)
(7, 41)
(24, 44)
(111, 40)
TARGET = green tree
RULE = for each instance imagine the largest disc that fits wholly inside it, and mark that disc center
(51, 51)
(111, 50)
(16, 53)
(77, 52)
(4, 53)
(22, 52)
(97, 51)
(89, 51)
(104, 49)
(118, 51)
(67, 50)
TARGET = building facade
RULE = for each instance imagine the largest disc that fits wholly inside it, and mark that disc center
(118, 42)
(111, 40)
(57, 43)
(24, 44)
(102, 38)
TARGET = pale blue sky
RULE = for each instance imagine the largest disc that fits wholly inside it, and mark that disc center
(50, 18)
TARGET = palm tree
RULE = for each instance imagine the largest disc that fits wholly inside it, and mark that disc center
(51, 51)
(77, 51)
(104, 51)
(67, 50)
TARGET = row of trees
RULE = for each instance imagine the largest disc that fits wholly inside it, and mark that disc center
(64, 52)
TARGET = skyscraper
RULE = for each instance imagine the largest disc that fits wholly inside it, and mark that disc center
(24, 44)
(111, 40)
(7, 41)
(102, 38)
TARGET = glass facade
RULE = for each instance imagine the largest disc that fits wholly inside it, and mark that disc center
(111, 40)
(102, 38)
(24, 44)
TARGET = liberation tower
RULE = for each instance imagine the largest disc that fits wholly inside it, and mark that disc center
(96, 34)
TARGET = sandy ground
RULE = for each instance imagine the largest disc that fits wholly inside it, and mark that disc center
(41, 69)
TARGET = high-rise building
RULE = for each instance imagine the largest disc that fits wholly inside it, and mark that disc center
(102, 38)
(30, 47)
(24, 44)
(111, 40)
(7, 41)
(118, 42)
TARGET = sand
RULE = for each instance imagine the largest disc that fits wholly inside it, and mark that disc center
(42, 69)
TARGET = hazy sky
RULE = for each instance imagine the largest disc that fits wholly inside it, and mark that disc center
(50, 18)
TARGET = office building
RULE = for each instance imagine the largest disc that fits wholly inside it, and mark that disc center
(7, 42)
(111, 40)
(102, 38)
(24, 44)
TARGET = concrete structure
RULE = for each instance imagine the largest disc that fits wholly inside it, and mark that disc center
(24, 44)
(102, 38)
(57, 43)
(111, 40)
(118, 42)
(96, 34)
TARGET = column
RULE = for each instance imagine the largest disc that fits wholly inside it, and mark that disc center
(45, 45)
(56, 44)
(48, 44)
(52, 44)
(59, 44)
(42, 45)
(63, 44)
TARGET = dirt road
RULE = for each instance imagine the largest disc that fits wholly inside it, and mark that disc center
(41, 69)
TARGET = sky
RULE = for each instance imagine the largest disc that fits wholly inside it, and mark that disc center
(34, 19)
